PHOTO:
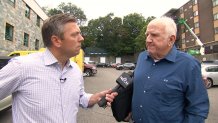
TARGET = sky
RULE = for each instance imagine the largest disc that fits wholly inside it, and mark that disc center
(94, 9)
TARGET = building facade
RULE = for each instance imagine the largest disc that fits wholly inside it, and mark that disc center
(20, 25)
(202, 17)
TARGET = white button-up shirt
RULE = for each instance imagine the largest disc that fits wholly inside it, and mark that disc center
(42, 92)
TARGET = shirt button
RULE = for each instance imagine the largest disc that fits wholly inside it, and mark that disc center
(145, 91)
(140, 106)
(153, 64)
(148, 77)
(140, 119)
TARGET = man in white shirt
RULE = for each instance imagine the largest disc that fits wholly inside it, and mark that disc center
(46, 87)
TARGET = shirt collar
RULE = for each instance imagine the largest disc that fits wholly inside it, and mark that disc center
(171, 56)
(49, 58)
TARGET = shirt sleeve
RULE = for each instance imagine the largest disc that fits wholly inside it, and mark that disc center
(10, 78)
(196, 97)
(84, 97)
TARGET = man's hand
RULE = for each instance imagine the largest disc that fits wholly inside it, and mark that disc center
(97, 97)
(128, 117)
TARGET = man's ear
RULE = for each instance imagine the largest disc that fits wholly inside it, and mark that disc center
(172, 39)
(56, 41)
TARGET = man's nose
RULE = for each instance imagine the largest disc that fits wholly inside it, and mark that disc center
(81, 38)
(148, 38)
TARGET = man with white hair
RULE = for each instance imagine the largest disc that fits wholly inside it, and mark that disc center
(168, 85)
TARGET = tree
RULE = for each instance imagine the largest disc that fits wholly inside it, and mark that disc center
(110, 34)
(140, 39)
(54, 11)
(132, 24)
(74, 10)
(68, 8)
(104, 33)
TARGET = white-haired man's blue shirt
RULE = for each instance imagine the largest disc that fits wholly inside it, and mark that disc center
(42, 91)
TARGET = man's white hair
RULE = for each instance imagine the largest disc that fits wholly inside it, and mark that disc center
(169, 23)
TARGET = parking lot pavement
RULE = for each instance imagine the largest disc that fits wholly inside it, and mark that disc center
(105, 79)
(213, 97)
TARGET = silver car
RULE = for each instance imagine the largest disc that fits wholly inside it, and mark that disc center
(130, 66)
(210, 71)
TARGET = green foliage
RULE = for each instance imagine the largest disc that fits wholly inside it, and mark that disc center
(54, 11)
(68, 8)
(118, 37)
(115, 35)
(141, 38)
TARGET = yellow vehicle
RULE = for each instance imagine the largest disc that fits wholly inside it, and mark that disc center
(78, 59)
(21, 53)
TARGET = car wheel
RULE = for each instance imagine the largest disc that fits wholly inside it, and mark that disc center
(88, 72)
(209, 83)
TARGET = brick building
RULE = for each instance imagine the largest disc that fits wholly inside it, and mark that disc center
(202, 17)
(20, 25)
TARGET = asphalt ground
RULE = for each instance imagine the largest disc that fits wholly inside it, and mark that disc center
(105, 79)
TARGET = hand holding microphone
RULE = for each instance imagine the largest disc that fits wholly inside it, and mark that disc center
(123, 81)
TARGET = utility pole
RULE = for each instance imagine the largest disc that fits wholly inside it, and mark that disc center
(202, 49)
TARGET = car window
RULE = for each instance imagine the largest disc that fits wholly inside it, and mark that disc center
(212, 69)
(15, 54)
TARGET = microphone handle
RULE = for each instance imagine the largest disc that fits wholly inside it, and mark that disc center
(103, 101)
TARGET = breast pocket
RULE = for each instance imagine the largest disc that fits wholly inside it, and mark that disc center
(171, 91)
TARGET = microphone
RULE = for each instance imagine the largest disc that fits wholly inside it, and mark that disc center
(63, 80)
(124, 81)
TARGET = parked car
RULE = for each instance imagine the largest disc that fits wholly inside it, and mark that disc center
(114, 65)
(4, 60)
(210, 62)
(102, 65)
(90, 62)
(130, 66)
(210, 71)
(89, 69)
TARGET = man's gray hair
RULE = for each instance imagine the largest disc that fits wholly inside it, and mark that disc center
(169, 23)
(55, 26)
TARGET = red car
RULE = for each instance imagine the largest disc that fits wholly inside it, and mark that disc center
(89, 69)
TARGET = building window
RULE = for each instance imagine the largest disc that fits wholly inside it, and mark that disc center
(215, 16)
(215, 2)
(27, 11)
(183, 41)
(196, 25)
(11, 2)
(181, 10)
(37, 44)
(195, 2)
(38, 21)
(9, 31)
(196, 13)
(26, 40)
(190, 7)
(215, 48)
(216, 30)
